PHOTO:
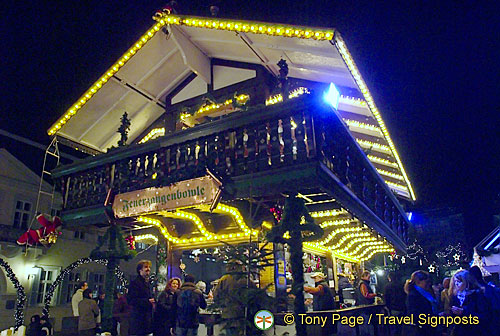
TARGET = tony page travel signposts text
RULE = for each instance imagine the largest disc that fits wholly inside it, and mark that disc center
(202, 190)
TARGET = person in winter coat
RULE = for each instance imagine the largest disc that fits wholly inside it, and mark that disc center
(445, 296)
(395, 299)
(46, 326)
(140, 298)
(166, 312)
(420, 300)
(121, 312)
(78, 296)
(467, 299)
(88, 312)
(189, 300)
(34, 328)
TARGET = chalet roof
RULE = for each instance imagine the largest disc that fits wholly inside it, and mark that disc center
(177, 46)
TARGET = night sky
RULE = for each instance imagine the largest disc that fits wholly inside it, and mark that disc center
(433, 71)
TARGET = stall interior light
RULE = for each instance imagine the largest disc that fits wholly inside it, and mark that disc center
(344, 52)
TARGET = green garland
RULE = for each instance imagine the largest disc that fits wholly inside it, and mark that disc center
(293, 213)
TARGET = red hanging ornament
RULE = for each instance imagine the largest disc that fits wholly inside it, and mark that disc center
(130, 242)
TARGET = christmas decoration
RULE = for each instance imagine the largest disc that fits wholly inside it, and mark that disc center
(432, 269)
(478, 261)
(65, 273)
(130, 242)
(117, 250)
(295, 213)
(45, 235)
(123, 129)
(21, 295)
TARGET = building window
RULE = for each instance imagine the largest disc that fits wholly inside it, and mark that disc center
(22, 214)
(74, 279)
(79, 235)
(98, 284)
(47, 278)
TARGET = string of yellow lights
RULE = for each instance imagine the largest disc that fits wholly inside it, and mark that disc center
(346, 55)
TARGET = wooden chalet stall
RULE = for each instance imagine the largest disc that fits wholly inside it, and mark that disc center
(244, 100)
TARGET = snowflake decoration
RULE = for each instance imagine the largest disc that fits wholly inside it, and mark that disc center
(432, 268)
(196, 259)
(196, 252)
(456, 256)
(403, 259)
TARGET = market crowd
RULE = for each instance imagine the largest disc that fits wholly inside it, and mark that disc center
(466, 296)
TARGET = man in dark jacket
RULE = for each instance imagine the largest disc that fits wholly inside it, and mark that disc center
(189, 299)
(140, 298)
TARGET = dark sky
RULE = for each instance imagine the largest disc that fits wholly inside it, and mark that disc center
(433, 71)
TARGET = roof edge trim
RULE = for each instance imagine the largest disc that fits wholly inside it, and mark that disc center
(351, 65)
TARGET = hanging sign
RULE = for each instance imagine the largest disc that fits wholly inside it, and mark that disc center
(202, 190)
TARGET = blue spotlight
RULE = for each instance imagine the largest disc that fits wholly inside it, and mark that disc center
(332, 96)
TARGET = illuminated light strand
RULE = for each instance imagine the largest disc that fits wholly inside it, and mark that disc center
(389, 174)
(358, 124)
(358, 239)
(316, 247)
(373, 247)
(377, 251)
(241, 99)
(328, 213)
(352, 100)
(161, 227)
(292, 94)
(334, 233)
(396, 186)
(346, 237)
(154, 133)
(376, 159)
(238, 218)
(146, 237)
(369, 243)
(369, 144)
(335, 223)
(368, 98)
(246, 26)
(104, 78)
(199, 224)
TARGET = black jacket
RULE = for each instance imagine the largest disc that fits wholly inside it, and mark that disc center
(141, 316)
(166, 311)
(417, 304)
(475, 304)
(324, 301)
(189, 319)
(395, 296)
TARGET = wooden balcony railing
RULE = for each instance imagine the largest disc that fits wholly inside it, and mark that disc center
(298, 131)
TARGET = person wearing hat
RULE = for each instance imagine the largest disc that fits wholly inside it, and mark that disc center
(324, 299)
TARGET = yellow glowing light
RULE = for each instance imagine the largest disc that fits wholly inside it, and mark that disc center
(381, 161)
(104, 78)
(374, 145)
(368, 98)
(146, 237)
(160, 225)
(328, 213)
(153, 134)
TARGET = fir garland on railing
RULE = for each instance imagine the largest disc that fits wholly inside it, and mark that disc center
(21, 295)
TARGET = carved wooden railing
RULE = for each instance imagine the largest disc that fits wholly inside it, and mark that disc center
(295, 132)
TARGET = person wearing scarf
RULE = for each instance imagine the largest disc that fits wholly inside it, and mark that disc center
(421, 301)
(467, 299)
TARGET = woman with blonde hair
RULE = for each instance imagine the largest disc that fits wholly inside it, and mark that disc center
(467, 299)
(165, 315)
